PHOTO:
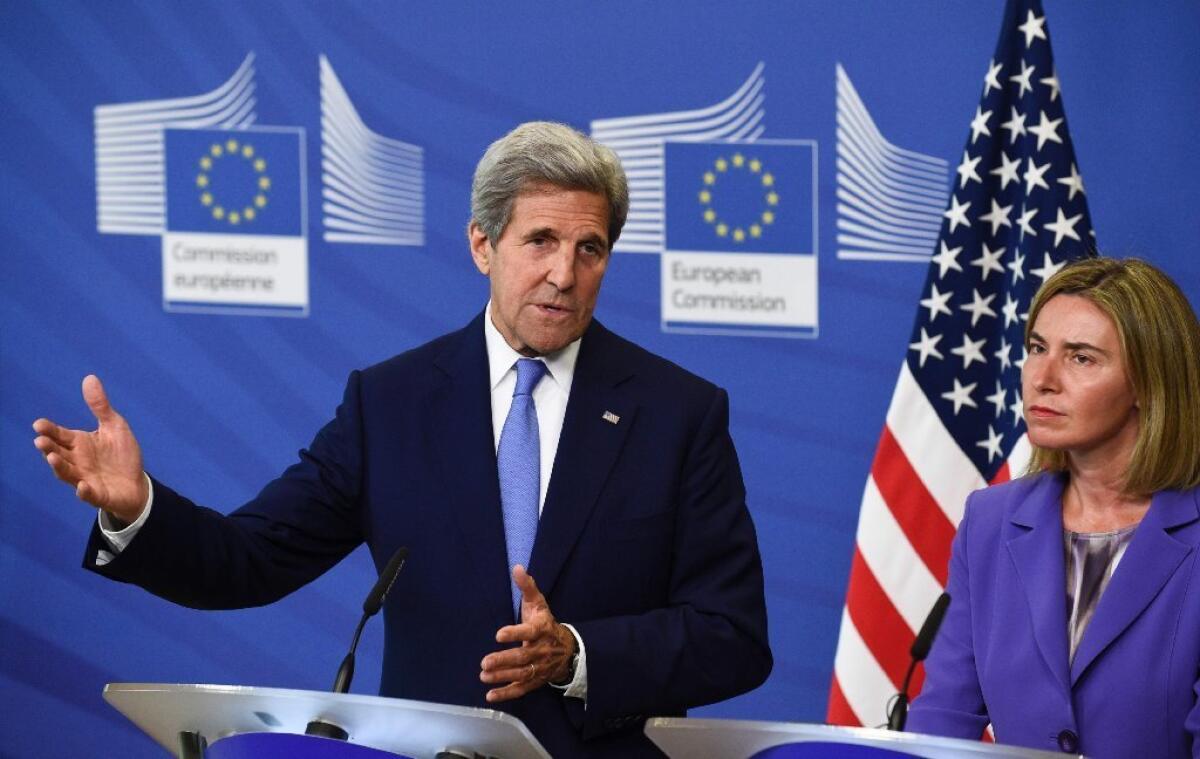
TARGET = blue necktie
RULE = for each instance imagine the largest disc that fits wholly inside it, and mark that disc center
(519, 461)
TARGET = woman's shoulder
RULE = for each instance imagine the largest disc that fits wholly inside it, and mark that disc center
(1017, 498)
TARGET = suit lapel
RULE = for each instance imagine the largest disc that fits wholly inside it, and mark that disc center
(1151, 559)
(1036, 547)
(597, 421)
(464, 446)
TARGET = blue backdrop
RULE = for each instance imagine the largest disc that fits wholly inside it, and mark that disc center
(222, 394)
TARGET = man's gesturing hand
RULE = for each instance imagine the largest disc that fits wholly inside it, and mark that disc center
(544, 654)
(104, 466)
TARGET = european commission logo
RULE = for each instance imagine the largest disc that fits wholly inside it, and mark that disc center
(235, 221)
(228, 198)
(733, 216)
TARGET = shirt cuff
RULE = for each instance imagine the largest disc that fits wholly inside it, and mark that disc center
(577, 688)
(119, 537)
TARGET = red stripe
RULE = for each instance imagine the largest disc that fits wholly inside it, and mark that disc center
(840, 712)
(921, 519)
(1002, 475)
(881, 627)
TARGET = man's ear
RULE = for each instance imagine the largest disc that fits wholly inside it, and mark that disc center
(481, 248)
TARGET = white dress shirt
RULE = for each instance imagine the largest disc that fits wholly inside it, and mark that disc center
(549, 397)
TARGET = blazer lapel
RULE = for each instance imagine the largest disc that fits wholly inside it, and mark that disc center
(1151, 559)
(597, 421)
(463, 444)
(1037, 554)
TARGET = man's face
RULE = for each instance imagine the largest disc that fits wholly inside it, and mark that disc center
(546, 267)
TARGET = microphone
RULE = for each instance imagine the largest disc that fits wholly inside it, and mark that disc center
(918, 652)
(371, 607)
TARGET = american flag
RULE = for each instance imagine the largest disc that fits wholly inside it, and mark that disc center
(1017, 213)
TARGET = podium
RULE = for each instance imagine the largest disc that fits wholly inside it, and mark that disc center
(241, 721)
(741, 739)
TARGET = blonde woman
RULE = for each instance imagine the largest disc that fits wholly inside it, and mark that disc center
(1074, 623)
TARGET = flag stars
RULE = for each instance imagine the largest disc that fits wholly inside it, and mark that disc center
(997, 399)
(1033, 28)
(966, 170)
(1022, 79)
(1020, 363)
(979, 124)
(989, 261)
(991, 80)
(1007, 170)
(978, 308)
(1002, 356)
(936, 302)
(1017, 407)
(997, 217)
(1015, 126)
(992, 444)
(970, 351)
(957, 214)
(946, 258)
(1009, 310)
(1046, 130)
(1063, 227)
(1074, 183)
(1017, 265)
(1052, 82)
(961, 396)
(1034, 176)
(927, 346)
(1025, 223)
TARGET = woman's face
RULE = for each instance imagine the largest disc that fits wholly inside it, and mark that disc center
(1077, 393)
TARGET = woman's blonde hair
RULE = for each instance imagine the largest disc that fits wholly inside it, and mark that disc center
(1160, 342)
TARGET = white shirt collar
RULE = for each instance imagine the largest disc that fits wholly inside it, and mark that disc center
(502, 358)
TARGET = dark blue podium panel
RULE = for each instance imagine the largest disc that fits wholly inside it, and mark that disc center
(292, 746)
(825, 750)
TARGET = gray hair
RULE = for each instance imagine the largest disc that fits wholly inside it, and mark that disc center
(545, 152)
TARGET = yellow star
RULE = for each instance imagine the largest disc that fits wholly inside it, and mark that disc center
(264, 183)
(739, 234)
(710, 215)
(202, 180)
(738, 160)
(231, 145)
(217, 151)
(755, 165)
(206, 163)
(235, 218)
(755, 230)
(206, 198)
(260, 165)
(710, 178)
(772, 198)
(248, 151)
(721, 164)
(768, 180)
(722, 229)
(768, 217)
(249, 213)
(260, 200)
(705, 196)
(218, 213)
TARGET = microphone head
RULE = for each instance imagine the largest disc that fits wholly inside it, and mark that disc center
(387, 577)
(920, 646)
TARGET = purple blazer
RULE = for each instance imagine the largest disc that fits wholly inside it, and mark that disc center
(1001, 656)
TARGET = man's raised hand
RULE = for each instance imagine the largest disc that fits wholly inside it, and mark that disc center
(104, 465)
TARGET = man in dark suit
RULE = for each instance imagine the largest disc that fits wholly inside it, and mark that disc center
(640, 540)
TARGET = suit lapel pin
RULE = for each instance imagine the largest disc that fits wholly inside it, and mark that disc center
(610, 417)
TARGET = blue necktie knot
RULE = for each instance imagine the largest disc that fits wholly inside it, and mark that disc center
(529, 372)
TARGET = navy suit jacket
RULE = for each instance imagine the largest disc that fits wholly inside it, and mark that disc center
(645, 544)
(1002, 652)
